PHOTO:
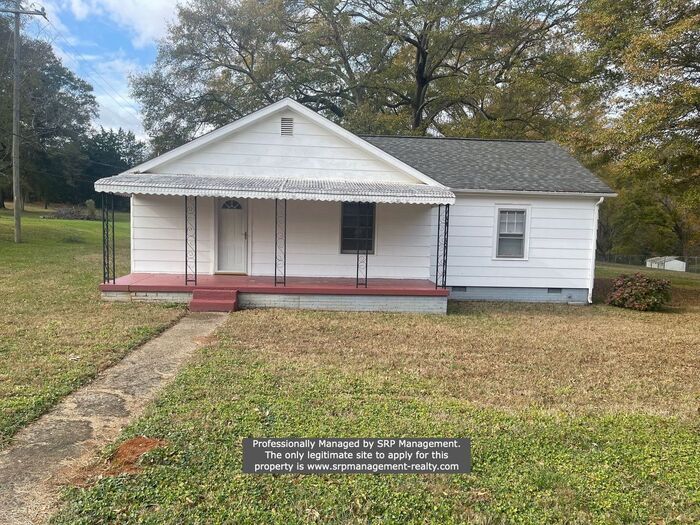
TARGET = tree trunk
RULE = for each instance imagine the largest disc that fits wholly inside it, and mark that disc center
(2, 199)
(421, 86)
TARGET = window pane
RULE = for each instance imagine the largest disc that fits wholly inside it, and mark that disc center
(357, 229)
(231, 205)
(349, 245)
(365, 244)
(511, 247)
(350, 207)
(366, 220)
(519, 222)
(511, 221)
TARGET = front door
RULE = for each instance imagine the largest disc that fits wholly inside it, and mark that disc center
(233, 236)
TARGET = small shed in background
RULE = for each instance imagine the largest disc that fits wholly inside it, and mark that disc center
(669, 262)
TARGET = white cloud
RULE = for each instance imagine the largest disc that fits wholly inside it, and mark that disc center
(147, 21)
(80, 9)
(144, 22)
(113, 115)
(111, 82)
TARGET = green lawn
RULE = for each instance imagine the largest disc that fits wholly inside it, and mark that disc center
(55, 333)
(577, 415)
(683, 279)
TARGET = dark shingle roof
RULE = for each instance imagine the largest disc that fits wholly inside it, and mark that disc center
(482, 164)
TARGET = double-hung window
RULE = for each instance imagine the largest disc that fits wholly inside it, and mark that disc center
(511, 234)
(357, 227)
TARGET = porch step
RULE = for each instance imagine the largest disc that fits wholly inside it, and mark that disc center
(214, 301)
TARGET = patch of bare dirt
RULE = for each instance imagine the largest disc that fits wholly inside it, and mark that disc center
(124, 460)
(208, 340)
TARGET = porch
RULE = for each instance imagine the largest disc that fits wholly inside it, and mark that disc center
(174, 283)
(315, 293)
(333, 245)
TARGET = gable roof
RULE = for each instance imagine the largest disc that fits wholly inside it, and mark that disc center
(277, 107)
(494, 165)
(461, 164)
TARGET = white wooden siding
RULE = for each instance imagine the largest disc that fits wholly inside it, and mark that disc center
(402, 241)
(560, 241)
(158, 235)
(310, 153)
(560, 253)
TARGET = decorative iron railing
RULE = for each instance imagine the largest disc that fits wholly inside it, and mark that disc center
(190, 240)
(362, 261)
(109, 270)
(280, 242)
(443, 227)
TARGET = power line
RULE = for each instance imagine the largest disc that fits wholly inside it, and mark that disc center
(38, 37)
(110, 91)
(125, 103)
(16, 186)
(81, 58)
(42, 30)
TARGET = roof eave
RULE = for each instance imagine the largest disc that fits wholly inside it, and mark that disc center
(535, 192)
(116, 186)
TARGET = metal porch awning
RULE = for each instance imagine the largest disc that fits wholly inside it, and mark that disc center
(274, 188)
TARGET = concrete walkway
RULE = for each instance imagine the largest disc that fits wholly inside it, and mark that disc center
(36, 464)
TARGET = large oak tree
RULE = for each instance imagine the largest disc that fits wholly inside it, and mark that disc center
(375, 66)
(617, 82)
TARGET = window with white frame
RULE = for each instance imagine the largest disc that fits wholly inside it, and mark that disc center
(511, 234)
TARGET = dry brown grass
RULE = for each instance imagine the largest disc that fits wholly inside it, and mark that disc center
(55, 332)
(511, 356)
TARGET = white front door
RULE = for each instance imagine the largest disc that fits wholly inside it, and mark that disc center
(233, 236)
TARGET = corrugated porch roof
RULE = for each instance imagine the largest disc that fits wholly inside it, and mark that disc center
(274, 188)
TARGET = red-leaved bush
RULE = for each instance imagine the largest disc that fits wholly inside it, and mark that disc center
(639, 292)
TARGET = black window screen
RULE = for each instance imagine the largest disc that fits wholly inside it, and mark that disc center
(357, 227)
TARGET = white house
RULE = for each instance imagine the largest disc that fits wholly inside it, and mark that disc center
(285, 208)
(669, 262)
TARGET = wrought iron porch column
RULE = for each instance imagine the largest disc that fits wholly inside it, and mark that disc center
(443, 227)
(280, 242)
(190, 240)
(362, 260)
(109, 270)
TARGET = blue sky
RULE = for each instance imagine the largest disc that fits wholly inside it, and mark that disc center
(104, 41)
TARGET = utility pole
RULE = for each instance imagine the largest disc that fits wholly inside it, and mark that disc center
(16, 188)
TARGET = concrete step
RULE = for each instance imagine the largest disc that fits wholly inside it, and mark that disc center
(213, 306)
(214, 301)
(213, 294)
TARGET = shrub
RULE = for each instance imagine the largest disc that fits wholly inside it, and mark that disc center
(75, 213)
(91, 211)
(639, 292)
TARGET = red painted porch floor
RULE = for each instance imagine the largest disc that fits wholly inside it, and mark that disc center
(152, 282)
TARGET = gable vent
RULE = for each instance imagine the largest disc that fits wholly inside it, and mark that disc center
(287, 126)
